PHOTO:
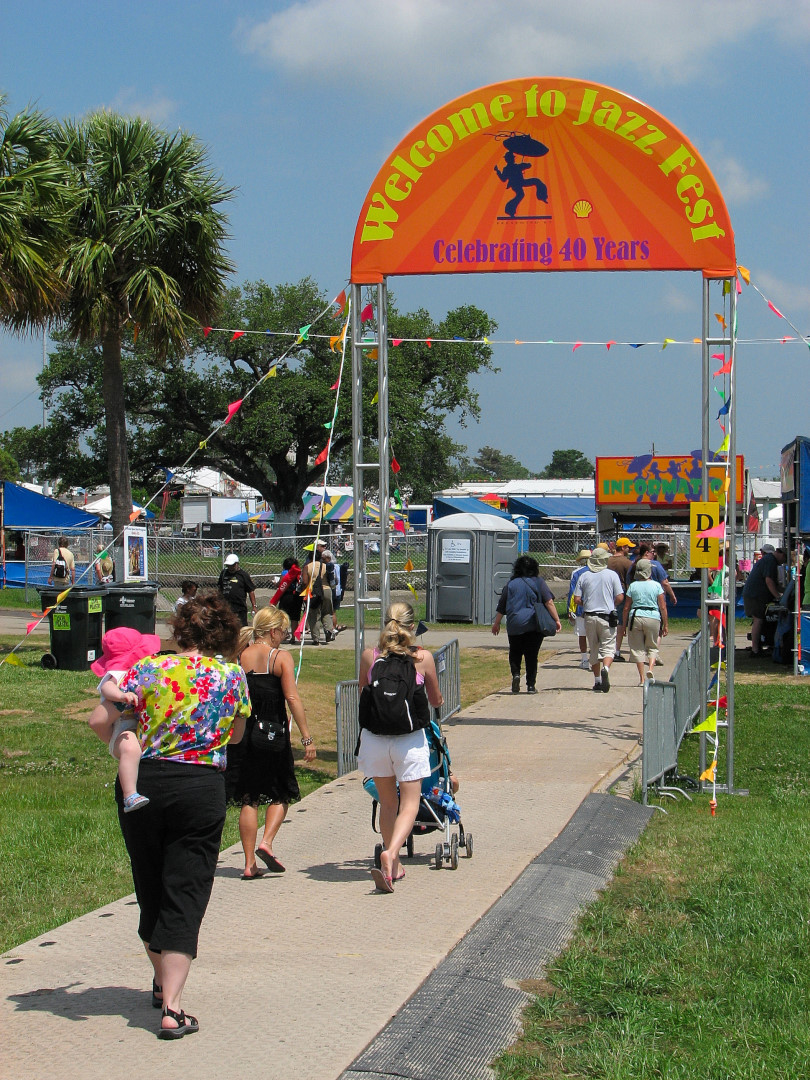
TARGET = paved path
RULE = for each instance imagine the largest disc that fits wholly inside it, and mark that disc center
(298, 973)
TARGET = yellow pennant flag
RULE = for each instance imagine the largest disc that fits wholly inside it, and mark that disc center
(408, 567)
(709, 724)
(376, 398)
(412, 590)
(12, 659)
(62, 596)
(667, 341)
(271, 374)
(708, 774)
(723, 447)
(745, 274)
(373, 354)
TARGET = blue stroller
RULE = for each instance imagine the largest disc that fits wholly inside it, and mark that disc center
(438, 810)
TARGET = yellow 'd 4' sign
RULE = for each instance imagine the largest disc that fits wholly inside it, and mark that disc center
(704, 551)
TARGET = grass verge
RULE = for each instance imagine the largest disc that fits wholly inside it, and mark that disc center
(61, 850)
(693, 963)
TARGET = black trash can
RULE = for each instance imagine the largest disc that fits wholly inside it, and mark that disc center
(76, 624)
(132, 604)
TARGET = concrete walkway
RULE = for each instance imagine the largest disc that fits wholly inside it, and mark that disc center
(298, 973)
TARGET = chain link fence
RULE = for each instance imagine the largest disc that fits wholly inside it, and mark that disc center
(556, 548)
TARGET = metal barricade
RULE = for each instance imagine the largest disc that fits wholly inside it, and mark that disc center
(347, 699)
(669, 709)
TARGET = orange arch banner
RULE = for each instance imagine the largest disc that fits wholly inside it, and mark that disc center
(543, 174)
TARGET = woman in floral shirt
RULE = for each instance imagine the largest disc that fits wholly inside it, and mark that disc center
(190, 706)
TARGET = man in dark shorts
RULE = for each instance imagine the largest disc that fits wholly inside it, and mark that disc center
(236, 586)
(761, 589)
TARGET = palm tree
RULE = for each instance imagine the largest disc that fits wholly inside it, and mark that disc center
(145, 247)
(34, 199)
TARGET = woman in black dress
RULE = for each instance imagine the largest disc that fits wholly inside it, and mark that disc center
(260, 768)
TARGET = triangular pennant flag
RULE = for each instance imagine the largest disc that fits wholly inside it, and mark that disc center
(739, 287)
(775, 310)
(608, 344)
(639, 345)
(395, 466)
(272, 373)
(577, 345)
(716, 532)
(788, 338)
(412, 590)
(724, 409)
(485, 340)
(303, 333)
(744, 274)
(62, 596)
(238, 334)
(334, 386)
(726, 288)
(207, 330)
(31, 626)
(517, 342)
(321, 458)
(334, 340)
(340, 300)
(708, 774)
(14, 660)
(721, 319)
(376, 398)
(723, 447)
(408, 567)
(135, 514)
(203, 444)
(396, 341)
(373, 354)
(233, 409)
(722, 703)
(429, 342)
(367, 313)
(398, 525)
(328, 424)
(709, 724)
(725, 369)
(397, 498)
(667, 341)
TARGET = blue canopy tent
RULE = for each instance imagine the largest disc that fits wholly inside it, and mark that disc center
(23, 510)
(578, 509)
(463, 504)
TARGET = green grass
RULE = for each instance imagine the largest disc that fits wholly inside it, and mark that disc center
(694, 962)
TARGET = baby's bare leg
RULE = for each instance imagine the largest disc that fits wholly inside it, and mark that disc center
(101, 720)
(128, 751)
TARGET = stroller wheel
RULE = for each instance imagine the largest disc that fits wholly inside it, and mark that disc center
(377, 853)
(409, 846)
(469, 845)
(454, 852)
(439, 856)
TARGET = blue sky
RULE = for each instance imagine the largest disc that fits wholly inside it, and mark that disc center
(299, 104)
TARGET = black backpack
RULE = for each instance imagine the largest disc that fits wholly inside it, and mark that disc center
(316, 587)
(393, 703)
(60, 570)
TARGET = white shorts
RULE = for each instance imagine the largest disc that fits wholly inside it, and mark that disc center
(406, 757)
(122, 724)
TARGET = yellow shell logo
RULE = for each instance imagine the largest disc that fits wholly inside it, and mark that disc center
(582, 208)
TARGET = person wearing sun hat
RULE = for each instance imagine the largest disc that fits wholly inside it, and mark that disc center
(112, 720)
(600, 593)
(575, 610)
(620, 562)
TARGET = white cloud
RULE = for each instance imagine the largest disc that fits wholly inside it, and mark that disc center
(792, 300)
(737, 184)
(158, 108)
(416, 48)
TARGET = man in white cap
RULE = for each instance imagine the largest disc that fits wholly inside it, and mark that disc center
(236, 585)
(600, 593)
(575, 609)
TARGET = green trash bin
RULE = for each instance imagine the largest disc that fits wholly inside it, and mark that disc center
(133, 604)
(76, 625)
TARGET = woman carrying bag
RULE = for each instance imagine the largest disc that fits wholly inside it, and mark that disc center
(522, 595)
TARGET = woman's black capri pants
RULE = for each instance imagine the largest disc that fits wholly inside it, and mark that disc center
(173, 845)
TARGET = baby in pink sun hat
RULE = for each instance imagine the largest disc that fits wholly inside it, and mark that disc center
(112, 719)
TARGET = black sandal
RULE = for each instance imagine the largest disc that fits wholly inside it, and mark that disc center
(157, 1002)
(182, 1028)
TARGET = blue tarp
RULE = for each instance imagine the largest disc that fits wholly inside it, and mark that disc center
(24, 509)
(577, 508)
(464, 504)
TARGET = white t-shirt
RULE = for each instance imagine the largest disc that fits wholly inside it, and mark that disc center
(598, 590)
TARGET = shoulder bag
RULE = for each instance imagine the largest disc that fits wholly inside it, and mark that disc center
(545, 621)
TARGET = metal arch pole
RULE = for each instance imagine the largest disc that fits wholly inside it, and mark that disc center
(360, 577)
(705, 645)
(731, 518)
(383, 444)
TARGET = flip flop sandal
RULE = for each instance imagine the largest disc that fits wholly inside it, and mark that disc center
(270, 861)
(252, 877)
(382, 881)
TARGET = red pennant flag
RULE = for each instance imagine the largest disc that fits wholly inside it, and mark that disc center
(238, 334)
(784, 339)
(334, 386)
(367, 313)
(429, 342)
(608, 344)
(775, 310)
(752, 520)
(233, 409)
(723, 702)
(30, 626)
(340, 300)
(398, 525)
(725, 369)
(395, 466)
(396, 341)
(207, 330)
(578, 345)
(321, 458)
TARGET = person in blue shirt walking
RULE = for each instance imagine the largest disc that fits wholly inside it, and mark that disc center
(519, 595)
